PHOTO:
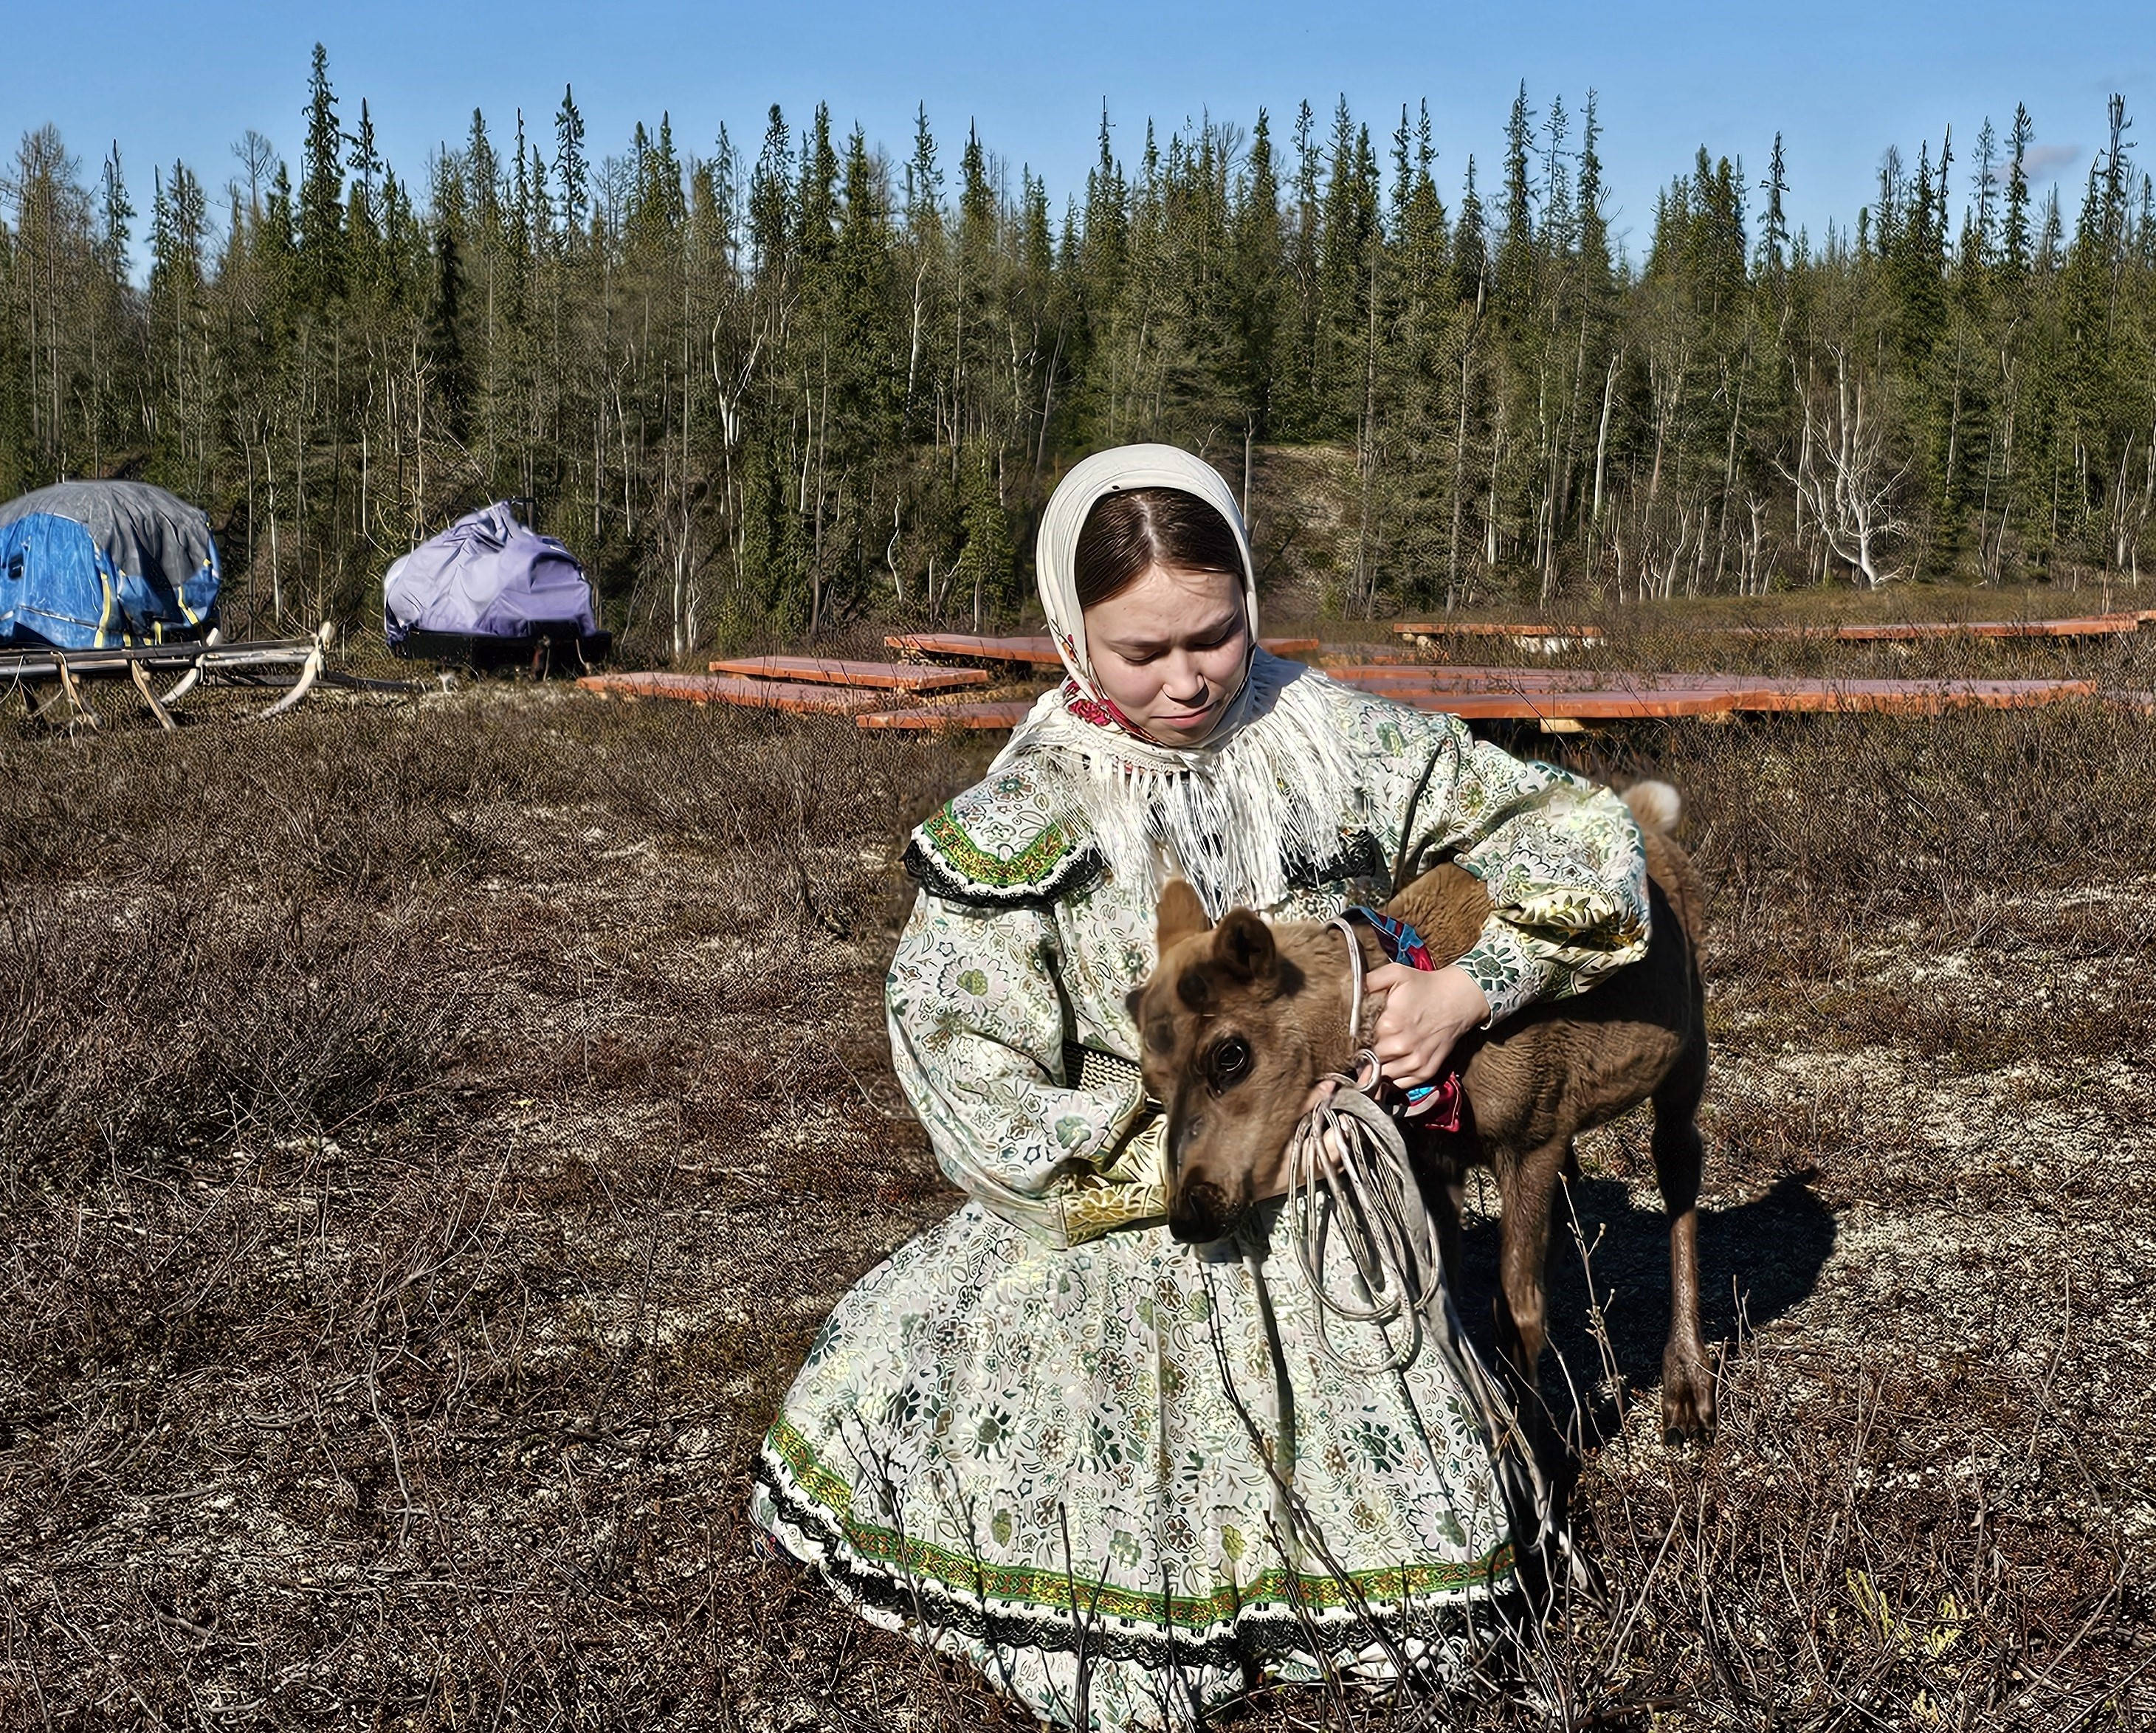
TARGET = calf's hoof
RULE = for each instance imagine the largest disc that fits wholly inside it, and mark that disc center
(1687, 1398)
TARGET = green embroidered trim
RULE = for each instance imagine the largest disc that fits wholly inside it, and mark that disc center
(1028, 865)
(829, 1489)
(1060, 1591)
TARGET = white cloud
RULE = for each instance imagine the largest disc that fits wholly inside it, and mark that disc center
(2043, 161)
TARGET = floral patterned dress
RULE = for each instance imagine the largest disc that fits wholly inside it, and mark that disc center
(1119, 1474)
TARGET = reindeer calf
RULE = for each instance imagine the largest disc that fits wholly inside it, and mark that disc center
(1241, 1021)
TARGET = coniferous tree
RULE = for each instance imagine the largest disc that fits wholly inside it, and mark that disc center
(321, 196)
(764, 395)
(1515, 253)
(20, 469)
(115, 215)
(2016, 249)
(571, 171)
(1255, 283)
(452, 386)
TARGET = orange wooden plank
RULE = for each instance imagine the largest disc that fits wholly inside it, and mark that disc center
(730, 689)
(2086, 626)
(1394, 680)
(1727, 694)
(880, 676)
(1906, 697)
(1586, 679)
(1928, 698)
(1475, 706)
(1372, 677)
(1569, 706)
(1910, 631)
(1582, 693)
(1820, 697)
(949, 715)
(1555, 632)
(1033, 652)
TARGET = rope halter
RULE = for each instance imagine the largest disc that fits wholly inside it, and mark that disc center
(1349, 1179)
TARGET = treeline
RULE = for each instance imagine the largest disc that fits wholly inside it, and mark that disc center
(771, 387)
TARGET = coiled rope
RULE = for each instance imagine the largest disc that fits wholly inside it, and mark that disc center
(1349, 1180)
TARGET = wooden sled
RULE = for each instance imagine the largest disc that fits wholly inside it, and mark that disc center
(557, 649)
(295, 664)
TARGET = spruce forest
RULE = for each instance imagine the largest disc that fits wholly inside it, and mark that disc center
(799, 379)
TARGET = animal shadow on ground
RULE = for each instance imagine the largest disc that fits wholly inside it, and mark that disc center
(1759, 1259)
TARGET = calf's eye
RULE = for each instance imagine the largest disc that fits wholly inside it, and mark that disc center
(1231, 1060)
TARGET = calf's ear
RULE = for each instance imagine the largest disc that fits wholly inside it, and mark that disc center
(1244, 947)
(1181, 915)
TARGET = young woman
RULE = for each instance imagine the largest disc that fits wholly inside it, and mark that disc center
(1116, 1472)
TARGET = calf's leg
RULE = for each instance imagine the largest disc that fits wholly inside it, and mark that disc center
(1441, 1175)
(1688, 1378)
(1523, 1269)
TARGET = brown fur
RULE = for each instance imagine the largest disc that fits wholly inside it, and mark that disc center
(1239, 1022)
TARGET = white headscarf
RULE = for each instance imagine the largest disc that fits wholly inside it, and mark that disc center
(1265, 791)
(1121, 469)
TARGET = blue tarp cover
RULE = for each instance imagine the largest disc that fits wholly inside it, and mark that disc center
(486, 576)
(88, 565)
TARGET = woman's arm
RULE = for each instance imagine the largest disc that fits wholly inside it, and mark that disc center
(976, 1020)
(1560, 858)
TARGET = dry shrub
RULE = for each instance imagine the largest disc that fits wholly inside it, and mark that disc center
(178, 1026)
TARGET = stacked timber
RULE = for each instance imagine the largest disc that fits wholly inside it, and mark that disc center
(872, 676)
(1581, 695)
(834, 686)
(809, 685)
(1557, 699)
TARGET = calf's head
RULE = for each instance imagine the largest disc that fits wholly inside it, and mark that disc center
(1228, 1046)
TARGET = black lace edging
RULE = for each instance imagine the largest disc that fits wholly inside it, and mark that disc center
(1271, 1628)
(1074, 872)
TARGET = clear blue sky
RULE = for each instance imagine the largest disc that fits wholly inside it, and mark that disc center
(1841, 81)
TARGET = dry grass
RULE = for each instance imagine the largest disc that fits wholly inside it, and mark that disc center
(429, 1135)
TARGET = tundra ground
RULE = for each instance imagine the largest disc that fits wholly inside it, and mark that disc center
(430, 1133)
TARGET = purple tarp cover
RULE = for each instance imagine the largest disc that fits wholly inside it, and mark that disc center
(486, 575)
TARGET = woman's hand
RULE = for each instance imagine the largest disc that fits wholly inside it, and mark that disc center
(1426, 1013)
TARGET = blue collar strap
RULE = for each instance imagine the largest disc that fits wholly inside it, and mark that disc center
(1401, 942)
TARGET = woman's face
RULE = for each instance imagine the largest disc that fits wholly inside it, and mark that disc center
(1168, 651)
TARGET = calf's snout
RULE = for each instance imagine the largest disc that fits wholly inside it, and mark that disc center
(1201, 1213)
